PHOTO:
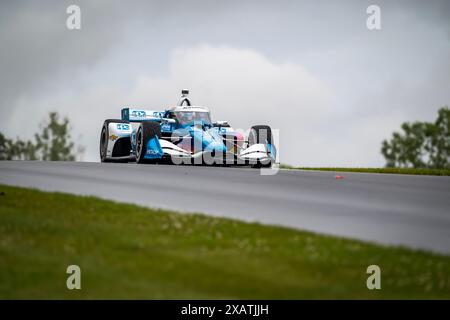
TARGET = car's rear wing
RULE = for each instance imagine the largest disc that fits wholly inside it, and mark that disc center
(139, 115)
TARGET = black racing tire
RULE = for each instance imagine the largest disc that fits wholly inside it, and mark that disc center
(104, 136)
(146, 131)
(260, 134)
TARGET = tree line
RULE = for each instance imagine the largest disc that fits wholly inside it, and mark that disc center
(420, 144)
(52, 143)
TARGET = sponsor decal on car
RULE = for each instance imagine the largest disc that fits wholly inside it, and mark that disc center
(138, 114)
(123, 126)
(166, 127)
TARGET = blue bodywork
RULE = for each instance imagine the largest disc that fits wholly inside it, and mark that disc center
(271, 150)
(203, 136)
(154, 150)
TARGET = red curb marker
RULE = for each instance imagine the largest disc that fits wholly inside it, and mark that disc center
(338, 177)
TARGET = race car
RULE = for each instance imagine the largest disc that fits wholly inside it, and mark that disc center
(183, 134)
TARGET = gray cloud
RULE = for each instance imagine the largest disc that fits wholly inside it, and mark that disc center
(38, 52)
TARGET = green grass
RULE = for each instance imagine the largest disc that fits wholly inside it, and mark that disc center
(413, 171)
(126, 251)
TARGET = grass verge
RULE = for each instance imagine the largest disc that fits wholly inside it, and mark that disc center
(126, 251)
(413, 171)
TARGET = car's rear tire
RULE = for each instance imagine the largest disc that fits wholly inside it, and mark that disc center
(104, 136)
(260, 134)
(146, 131)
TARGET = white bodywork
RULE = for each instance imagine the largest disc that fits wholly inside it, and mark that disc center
(117, 131)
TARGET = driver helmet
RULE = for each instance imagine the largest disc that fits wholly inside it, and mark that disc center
(188, 116)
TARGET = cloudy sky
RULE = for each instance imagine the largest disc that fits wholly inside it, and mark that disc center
(311, 69)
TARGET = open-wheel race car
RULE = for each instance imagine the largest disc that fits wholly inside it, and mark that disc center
(183, 134)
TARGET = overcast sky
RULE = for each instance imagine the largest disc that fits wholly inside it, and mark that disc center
(311, 69)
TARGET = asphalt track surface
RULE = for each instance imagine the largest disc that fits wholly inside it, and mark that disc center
(412, 211)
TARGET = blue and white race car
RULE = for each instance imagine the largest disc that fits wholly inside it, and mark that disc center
(183, 134)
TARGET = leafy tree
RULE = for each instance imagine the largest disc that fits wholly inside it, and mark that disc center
(53, 143)
(3, 147)
(16, 150)
(421, 144)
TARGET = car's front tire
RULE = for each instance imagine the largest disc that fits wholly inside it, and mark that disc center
(146, 131)
(260, 134)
